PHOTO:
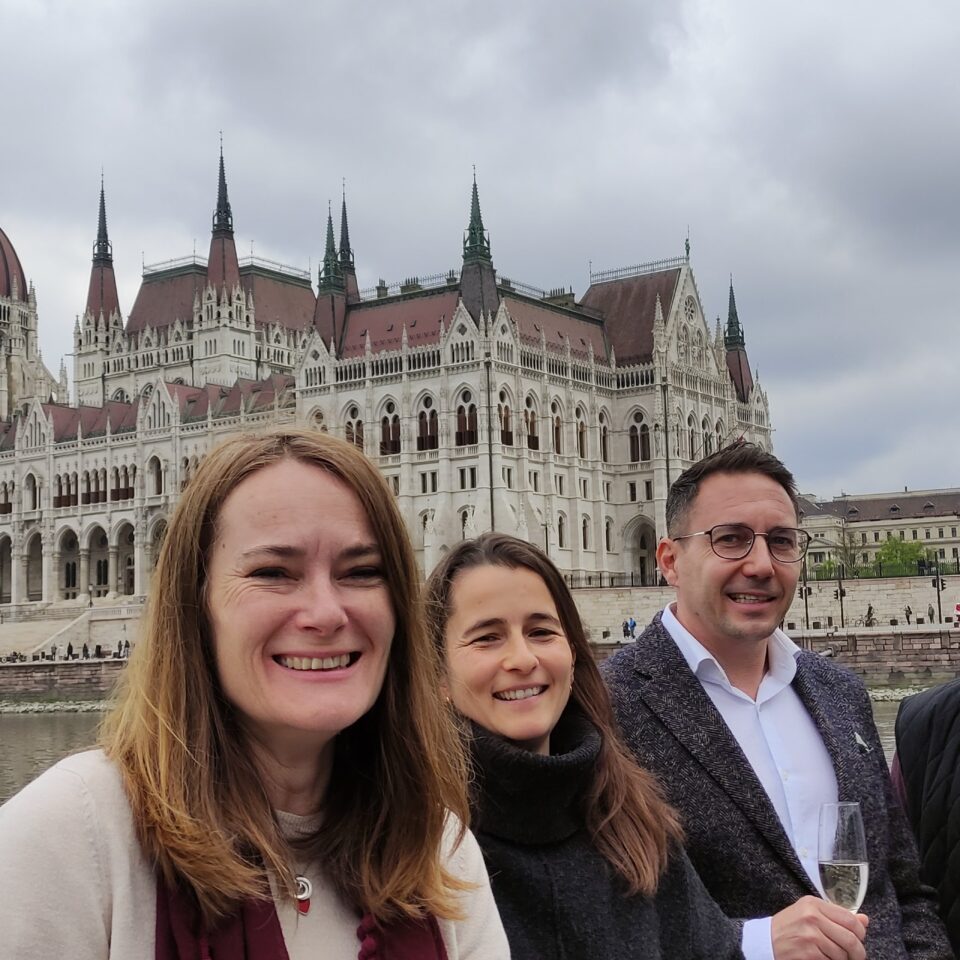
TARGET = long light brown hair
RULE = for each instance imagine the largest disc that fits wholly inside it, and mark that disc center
(624, 808)
(199, 804)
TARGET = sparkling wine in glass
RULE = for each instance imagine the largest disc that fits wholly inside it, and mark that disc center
(843, 855)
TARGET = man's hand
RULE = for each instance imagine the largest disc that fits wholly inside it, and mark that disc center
(812, 929)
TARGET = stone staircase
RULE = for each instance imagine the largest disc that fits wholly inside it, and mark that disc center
(29, 636)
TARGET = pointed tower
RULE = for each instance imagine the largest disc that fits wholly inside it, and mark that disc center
(478, 279)
(329, 316)
(347, 267)
(223, 269)
(224, 313)
(330, 278)
(101, 319)
(102, 298)
(737, 361)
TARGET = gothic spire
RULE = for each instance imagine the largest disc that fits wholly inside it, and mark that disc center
(476, 242)
(223, 217)
(331, 276)
(734, 337)
(346, 253)
(102, 249)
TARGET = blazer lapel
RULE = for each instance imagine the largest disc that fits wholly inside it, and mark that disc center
(672, 692)
(836, 730)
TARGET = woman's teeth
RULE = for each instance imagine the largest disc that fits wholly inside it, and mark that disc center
(519, 694)
(315, 663)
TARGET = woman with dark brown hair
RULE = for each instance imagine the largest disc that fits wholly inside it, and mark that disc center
(584, 854)
(278, 778)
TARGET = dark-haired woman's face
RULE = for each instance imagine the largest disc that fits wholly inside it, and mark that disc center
(509, 663)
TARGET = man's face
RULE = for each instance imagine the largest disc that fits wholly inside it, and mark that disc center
(728, 603)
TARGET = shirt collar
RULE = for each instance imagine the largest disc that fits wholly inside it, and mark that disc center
(781, 656)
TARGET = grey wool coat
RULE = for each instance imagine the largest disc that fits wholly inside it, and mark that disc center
(734, 836)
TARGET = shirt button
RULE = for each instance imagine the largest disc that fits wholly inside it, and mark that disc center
(785, 775)
(803, 851)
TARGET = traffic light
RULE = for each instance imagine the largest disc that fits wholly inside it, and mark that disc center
(943, 584)
(836, 594)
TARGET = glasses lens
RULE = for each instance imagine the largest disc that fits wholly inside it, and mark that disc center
(731, 540)
(787, 543)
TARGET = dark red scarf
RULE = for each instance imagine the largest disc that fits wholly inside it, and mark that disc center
(254, 934)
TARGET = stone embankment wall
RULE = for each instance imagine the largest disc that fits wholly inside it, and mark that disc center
(606, 608)
(77, 680)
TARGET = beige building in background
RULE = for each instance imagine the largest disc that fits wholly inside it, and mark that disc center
(484, 402)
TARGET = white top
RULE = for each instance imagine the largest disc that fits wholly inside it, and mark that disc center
(781, 743)
(74, 882)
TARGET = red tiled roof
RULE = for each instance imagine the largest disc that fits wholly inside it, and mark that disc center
(286, 303)
(164, 299)
(628, 307)
(102, 293)
(385, 321)
(739, 367)
(9, 268)
(911, 506)
(223, 270)
(556, 324)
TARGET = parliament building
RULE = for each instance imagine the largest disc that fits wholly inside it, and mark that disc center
(486, 403)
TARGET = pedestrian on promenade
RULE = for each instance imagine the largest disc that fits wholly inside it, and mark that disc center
(86, 652)
(626, 629)
(926, 769)
(126, 648)
(279, 779)
(750, 735)
(632, 624)
(931, 613)
(908, 613)
(584, 854)
(53, 651)
(69, 651)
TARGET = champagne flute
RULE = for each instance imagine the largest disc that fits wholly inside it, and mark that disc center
(842, 855)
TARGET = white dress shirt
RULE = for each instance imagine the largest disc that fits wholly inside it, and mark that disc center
(781, 743)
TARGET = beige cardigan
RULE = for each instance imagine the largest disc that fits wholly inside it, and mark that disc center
(74, 882)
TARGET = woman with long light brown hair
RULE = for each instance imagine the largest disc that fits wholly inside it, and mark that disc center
(278, 777)
(584, 853)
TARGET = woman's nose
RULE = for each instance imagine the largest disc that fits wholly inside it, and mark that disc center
(519, 656)
(320, 606)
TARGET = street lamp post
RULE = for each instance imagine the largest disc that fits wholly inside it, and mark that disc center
(806, 592)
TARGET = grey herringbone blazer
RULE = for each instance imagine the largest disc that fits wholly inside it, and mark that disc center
(734, 837)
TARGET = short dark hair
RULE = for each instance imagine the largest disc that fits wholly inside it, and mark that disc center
(739, 457)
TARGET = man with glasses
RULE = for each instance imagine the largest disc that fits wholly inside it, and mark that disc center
(750, 735)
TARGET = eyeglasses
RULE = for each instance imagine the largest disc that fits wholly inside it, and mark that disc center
(733, 541)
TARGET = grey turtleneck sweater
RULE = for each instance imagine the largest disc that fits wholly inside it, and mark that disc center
(558, 897)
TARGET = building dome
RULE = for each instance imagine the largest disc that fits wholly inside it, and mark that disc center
(10, 269)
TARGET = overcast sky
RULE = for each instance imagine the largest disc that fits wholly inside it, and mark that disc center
(812, 149)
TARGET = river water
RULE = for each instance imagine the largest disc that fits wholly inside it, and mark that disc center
(30, 742)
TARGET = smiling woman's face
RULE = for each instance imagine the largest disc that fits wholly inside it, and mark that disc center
(509, 664)
(300, 612)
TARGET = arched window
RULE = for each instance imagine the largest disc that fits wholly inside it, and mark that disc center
(604, 439)
(557, 428)
(585, 532)
(466, 433)
(707, 437)
(692, 436)
(581, 436)
(561, 531)
(156, 475)
(720, 432)
(608, 535)
(427, 432)
(464, 520)
(390, 430)
(644, 443)
(530, 423)
(506, 421)
(354, 428)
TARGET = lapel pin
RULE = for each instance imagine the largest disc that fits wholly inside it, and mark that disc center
(861, 743)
